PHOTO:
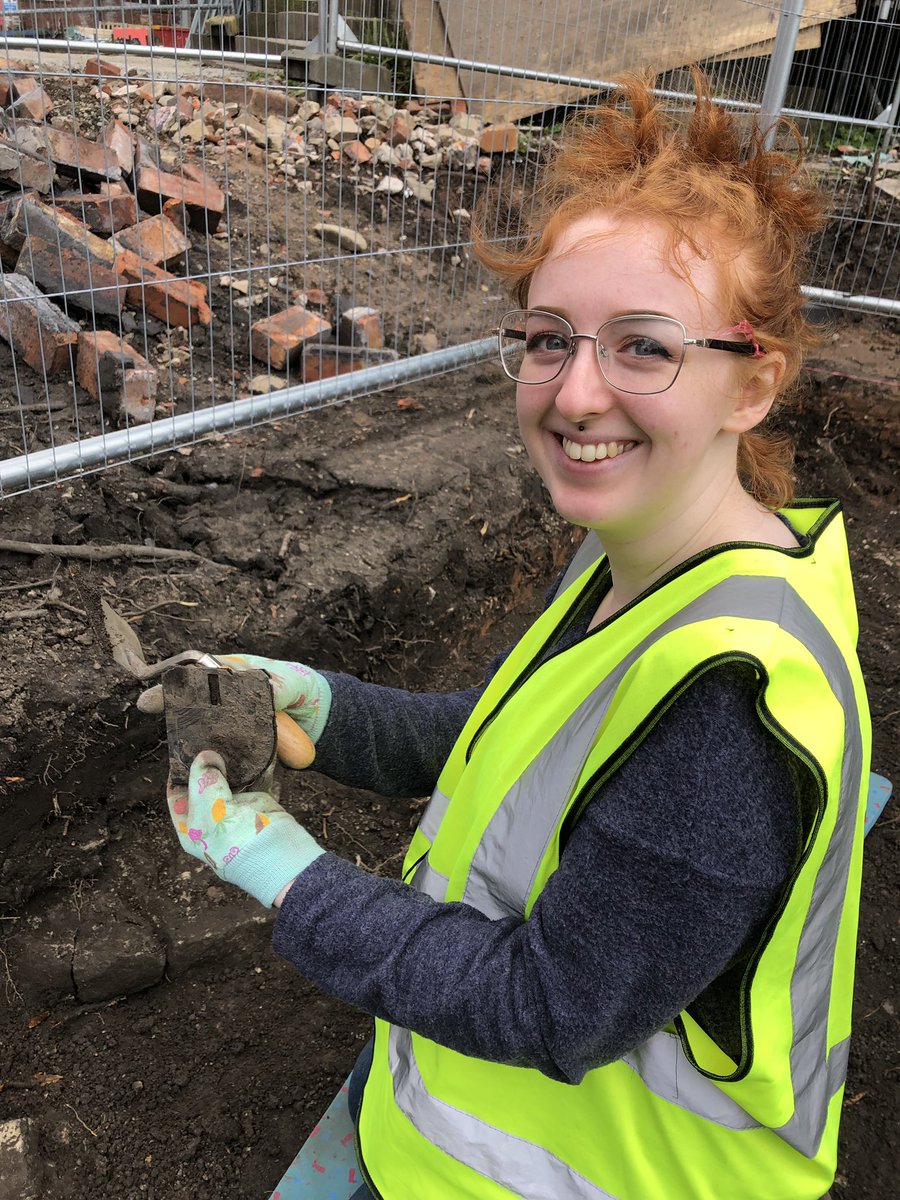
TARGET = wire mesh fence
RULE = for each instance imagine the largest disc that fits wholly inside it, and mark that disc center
(215, 215)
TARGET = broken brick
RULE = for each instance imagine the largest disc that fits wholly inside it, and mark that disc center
(175, 211)
(500, 139)
(100, 66)
(400, 129)
(357, 152)
(144, 154)
(23, 169)
(121, 143)
(155, 239)
(113, 372)
(361, 326)
(138, 396)
(103, 213)
(324, 362)
(184, 106)
(102, 357)
(72, 273)
(4, 92)
(160, 294)
(40, 333)
(31, 99)
(90, 162)
(61, 255)
(266, 102)
(278, 339)
(204, 202)
(29, 215)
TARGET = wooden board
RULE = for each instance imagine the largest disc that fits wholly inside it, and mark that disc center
(807, 39)
(426, 33)
(590, 39)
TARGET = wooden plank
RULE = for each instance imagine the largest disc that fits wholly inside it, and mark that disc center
(807, 39)
(426, 33)
(598, 41)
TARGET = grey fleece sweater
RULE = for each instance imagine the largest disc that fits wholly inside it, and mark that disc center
(663, 888)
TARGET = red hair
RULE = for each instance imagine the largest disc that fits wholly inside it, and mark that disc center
(709, 179)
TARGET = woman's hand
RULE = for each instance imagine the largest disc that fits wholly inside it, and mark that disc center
(248, 839)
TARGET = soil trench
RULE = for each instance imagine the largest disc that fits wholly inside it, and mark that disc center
(154, 1042)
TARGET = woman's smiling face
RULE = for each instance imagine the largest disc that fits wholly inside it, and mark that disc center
(627, 465)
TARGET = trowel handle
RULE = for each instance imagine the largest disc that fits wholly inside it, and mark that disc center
(294, 746)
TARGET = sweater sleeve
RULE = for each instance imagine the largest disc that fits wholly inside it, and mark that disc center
(669, 875)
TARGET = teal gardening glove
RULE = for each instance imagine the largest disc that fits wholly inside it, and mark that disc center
(248, 839)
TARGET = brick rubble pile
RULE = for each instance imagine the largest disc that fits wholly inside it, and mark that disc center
(98, 228)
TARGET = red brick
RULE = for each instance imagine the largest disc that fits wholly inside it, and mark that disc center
(324, 362)
(121, 143)
(175, 212)
(91, 162)
(31, 99)
(276, 340)
(4, 93)
(162, 295)
(500, 139)
(154, 239)
(102, 213)
(116, 375)
(361, 327)
(100, 66)
(356, 152)
(40, 333)
(102, 358)
(204, 202)
(399, 130)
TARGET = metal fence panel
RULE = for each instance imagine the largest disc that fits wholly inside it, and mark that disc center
(278, 195)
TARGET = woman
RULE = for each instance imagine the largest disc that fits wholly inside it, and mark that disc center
(620, 961)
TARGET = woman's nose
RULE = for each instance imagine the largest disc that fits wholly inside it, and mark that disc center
(581, 385)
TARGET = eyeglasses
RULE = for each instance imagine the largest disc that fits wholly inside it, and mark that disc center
(640, 354)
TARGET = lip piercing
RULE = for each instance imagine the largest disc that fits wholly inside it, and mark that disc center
(581, 429)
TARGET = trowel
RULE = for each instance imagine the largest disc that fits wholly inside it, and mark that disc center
(209, 706)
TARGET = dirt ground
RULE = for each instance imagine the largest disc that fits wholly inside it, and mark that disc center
(150, 1037)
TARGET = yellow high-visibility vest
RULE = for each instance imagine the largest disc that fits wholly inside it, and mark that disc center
(676, 1118)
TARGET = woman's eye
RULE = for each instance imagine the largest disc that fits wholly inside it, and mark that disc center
(644, 347)
(547, 343)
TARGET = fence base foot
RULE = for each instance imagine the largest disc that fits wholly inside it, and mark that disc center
(334, 71)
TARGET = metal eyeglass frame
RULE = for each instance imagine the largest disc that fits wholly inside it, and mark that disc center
(745, 348)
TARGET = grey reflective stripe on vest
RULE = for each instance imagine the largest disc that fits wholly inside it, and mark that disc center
(425, 878)
(666, 1070)
(589, 552)
(519, 1166)
(434, 813)
(507, 859)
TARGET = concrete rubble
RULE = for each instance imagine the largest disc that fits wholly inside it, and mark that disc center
(94, 229)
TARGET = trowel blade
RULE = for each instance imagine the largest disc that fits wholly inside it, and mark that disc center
(123, 641)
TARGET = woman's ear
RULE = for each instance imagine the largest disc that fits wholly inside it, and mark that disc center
(758, 390)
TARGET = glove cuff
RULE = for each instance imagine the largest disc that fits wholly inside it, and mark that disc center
(274, 858)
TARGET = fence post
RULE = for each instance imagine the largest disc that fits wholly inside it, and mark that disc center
(780, 68)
